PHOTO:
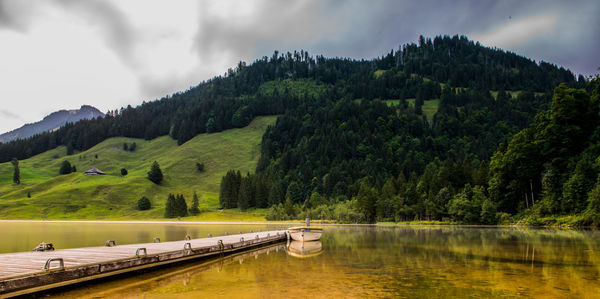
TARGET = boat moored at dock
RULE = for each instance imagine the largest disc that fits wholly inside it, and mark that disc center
(305, 233)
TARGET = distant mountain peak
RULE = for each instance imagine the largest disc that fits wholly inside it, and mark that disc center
(52, 122)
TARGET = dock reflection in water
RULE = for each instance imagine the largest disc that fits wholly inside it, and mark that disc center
(304, 249)
(141, 286)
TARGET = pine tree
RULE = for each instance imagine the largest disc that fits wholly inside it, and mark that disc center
(155, 175)
(65, 167)
(231, 190)
(245, 194)
(144, 203)
(592, 213)
(211, 125)
(419, 101)
(294, 192)
(170, 207)
(180, 206)
(17, 172)
(235, 188)
(261, 193)
(251, 190)
(194, 210)
(288, 207)
(223, 191)
(366, 200)
(228, 195)
(276, 194)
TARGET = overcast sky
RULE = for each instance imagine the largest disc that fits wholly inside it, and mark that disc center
(62, 54)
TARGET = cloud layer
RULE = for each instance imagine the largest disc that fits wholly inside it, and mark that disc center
(60, 54)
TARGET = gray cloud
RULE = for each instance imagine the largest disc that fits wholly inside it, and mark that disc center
(116, 30)
(123, 39)
(239, 37)
(157, 86)
(114, 27)
(8, 114)
(250, 29)
(360, 29)
(16, 15)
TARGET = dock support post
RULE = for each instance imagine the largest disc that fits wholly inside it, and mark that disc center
(187, 248)
(221, 246)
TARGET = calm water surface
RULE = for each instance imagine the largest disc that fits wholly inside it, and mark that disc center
(350, 262)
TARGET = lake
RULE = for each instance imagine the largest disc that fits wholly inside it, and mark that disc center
(349, 262)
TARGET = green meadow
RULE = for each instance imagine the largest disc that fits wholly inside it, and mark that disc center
(296, 87)
(112, 196)
(513, 93)
(430, 107)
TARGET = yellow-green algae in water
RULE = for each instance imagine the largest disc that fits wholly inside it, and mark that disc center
(388, 262)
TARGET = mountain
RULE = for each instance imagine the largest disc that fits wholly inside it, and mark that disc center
(52, 122)
(408, 135)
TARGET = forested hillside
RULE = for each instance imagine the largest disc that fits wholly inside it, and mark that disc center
(367, 152)
(409, 135)
(234, 99)
(553, 165)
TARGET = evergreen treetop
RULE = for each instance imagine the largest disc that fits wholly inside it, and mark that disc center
(155, 174)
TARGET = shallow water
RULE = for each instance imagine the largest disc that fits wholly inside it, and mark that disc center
(358, 262)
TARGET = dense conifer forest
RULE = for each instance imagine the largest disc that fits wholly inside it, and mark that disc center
(444, 129)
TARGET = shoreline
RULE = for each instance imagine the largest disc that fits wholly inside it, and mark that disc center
(181, 222)
(315, 222)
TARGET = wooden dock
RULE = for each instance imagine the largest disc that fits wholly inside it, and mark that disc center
(27, 272)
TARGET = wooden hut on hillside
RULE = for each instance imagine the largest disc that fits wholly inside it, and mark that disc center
(94, 171)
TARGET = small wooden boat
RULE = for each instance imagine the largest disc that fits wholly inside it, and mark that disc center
(305, 233)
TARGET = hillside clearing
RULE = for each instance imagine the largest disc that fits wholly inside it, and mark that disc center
(430, 107)
(75, 196)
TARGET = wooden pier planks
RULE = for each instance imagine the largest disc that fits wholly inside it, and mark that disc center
(23, 272)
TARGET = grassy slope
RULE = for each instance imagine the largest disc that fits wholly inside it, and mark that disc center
(296, 87)
(75, 196)
(513, 93)
(430, 107)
